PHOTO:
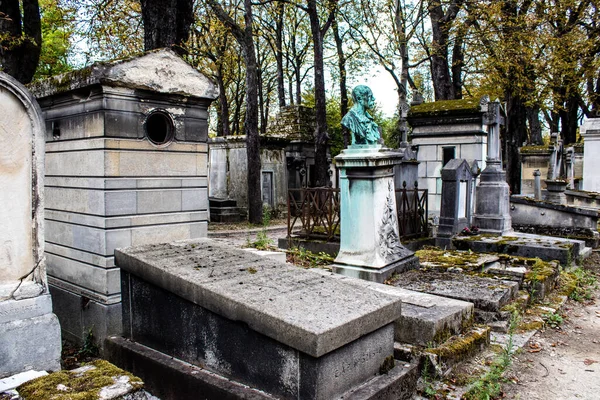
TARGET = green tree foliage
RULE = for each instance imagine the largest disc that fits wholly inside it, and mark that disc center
(58, 29)
(109, 29)
(20, 38)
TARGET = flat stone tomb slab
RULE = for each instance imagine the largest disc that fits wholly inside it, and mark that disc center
(426, 318)
(443, 260)
(285, 330)
(520, 244)
(486, 294)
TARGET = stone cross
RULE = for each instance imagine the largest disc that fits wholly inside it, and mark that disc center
(403, 109)
(493, 119)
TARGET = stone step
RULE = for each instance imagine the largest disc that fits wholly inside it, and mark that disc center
(533, 275)
(487, 294)
(439, 360)
(565, 251)
(216, 202)
(400, 383)
(426, 318)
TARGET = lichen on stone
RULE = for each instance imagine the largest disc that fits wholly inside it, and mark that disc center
(445, 107)
(73, 385)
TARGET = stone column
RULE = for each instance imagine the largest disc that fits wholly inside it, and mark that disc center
(29, 331)
(590, 130)
(492, 210)
(537, 184)
(370, 245)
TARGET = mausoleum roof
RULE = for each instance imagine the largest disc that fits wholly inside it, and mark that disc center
(161, 71)
(445, 107)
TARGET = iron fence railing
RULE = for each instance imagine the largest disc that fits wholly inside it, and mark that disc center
(412, 206)
(314, 212)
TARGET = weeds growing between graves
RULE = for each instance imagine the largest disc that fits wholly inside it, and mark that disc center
(262, 241)
(578, 284)
(307, 259)
(553, 320)
(489, 385)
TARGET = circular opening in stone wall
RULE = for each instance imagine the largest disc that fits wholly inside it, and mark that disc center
(159, 127)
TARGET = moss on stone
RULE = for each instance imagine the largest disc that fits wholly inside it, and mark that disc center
(541, 149)
(448, 258)
(530, 326)
(540, 271)
(445, 107)
(84, 386)
(459, 347)
(387, 365)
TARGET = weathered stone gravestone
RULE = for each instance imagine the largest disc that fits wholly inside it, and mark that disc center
(443, 130)
(29, 331)
(458, 182)
(590, 130)
(370, 245)
(126, 164)
(492, 210)
(289, 332)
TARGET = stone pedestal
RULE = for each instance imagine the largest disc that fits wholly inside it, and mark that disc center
(370, 246)
(492, 212)
(492, 207)
(556, 191)
(29, 331)
(590, 130)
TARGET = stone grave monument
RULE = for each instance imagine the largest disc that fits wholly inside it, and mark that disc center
(233, 323)
(590, 130)
(555, 182)
(370, 245)
(29, 331)
(443, 130)
(458, 183)
(126, 164)
(492, 208)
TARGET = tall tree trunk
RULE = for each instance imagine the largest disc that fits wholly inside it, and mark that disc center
(279, 53)
(261, 97)
(535, 128)
(251, 125)
(339, 45)
(568, 121)
(458, 61)
(223, 112)
(245, 38)
(516, 134)
(20, 50)
(321, 136)
(166, 23)
(441, 23)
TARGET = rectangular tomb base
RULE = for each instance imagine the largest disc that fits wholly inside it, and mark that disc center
(172, 379)
(233, 349)
(78, 315)
(29, 336)
(283, 330)
(547, 248)
(378, 275)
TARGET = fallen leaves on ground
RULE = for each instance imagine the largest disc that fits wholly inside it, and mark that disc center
(534, 348)
(589, 361)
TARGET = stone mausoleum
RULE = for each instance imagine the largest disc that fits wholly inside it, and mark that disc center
(442, 131)
(287, 161)
(126, 165)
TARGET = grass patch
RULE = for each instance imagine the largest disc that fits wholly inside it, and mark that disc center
(578, 284)
(262, 241)
(489, 385)
(307, 259)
